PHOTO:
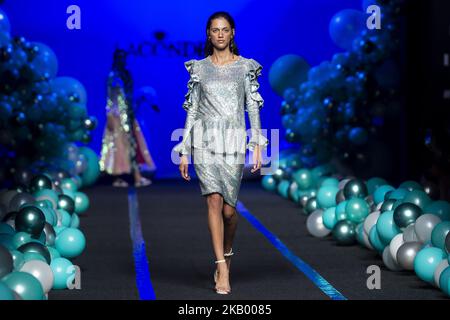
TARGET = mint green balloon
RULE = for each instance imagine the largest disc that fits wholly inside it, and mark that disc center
(69, 184)
(440, 208)
(329, 218)
(53, 253)
(303, 178)
(82, 202)
(418, 197)
(375, 240)
(380, 192)
(25, 285)
(47, 194)
(398, 194)
(426, 261)
(7, 229)
(340, 211)
(326, 196)
(21, 238)
(386, 227)
(75, 222)
(439, 233)
(357, 210)
(6, 293)
(283, 188)
(63, 272)
(269, 183)
(374, 183)
(70, 243)
(411, 185)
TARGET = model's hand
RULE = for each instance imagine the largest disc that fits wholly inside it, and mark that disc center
(184, 168)
(257, 159)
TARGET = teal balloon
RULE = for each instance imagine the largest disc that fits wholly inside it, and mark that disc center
(303, 178)
(35, 247)
(18, 259)
(6, 293)
(375, 239)
(25, 285)
(374, 183)
(444, 281)
(58, 229)
(321, 171)
(418, 197)
(288, 71)
(330, 182)
(269, 183)
(45, 61)
(440, 208)
(329, 218)
(67, 86)
(396, 204)
(70, 243)
(411, 185)
(6, 240)
(360, 234)
(326, 196)
(50, 216)
(387, 205)
(341, 211)
(6, 229)
(405, 214)
(398, 194)
(68, 192)
(283, 188)
(311, 205)
(28, 256)
(53, 253)
(386, 227)
(21, 238)
(380, 192)
(92, 172)
(355, 188)
(63, 271)
(439, 233)
(357, 210)
(344, 233)
(75, 221)
(66, 218)
(426, 262)
(69, 183)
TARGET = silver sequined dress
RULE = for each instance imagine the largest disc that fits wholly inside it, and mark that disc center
(215, 131)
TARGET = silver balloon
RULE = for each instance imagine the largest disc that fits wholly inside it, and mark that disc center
(6, 196)
(369, 200)
(41, 271)
(407, 253)
(378, 207)
(424, 226)
(409, 234)
(50, 234)
(388, 260)
(340, 196)
(342, 183)
(370, 221)
(395, 244)
(437, 272)
(303, 200)
(366, 240)
(6, 261)
(315, 225)
(19, 200)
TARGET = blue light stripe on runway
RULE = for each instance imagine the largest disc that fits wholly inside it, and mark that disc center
(312, 274)
(143, 281)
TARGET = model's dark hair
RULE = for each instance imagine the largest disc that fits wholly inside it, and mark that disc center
(208, 45)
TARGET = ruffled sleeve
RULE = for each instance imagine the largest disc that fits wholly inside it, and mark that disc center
(190, 104)
(254, 103)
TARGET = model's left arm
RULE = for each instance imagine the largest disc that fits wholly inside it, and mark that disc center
(254, 103)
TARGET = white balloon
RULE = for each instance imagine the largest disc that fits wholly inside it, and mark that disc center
(437, 272)
(379, 205)
(389, 261)
(315, 225)
(395, 244)
(370, 221)
(409, 234)
(41, 271)
(366, 240)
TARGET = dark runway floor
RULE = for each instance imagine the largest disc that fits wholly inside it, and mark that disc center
(181, 261)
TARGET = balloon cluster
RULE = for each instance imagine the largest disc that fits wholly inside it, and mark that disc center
(337, 107)
(408, 229)
(39, 234)
(40, 114)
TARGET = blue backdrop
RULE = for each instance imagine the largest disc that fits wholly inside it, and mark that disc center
(265, 30)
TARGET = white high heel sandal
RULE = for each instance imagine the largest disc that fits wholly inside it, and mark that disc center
(226, 255)
(221, 291)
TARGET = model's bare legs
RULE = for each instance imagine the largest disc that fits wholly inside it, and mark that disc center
(230, 224)
(216, 228)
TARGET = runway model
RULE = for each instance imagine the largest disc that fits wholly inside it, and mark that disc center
(123, 147)
(221, 87)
